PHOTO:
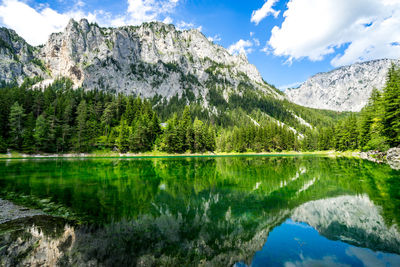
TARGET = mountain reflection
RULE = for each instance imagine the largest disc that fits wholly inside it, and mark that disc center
(185, 211)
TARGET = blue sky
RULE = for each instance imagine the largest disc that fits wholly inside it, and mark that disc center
(288, 41)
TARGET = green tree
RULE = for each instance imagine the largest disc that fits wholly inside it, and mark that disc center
(16, 120)
(123, 138)
(3, 145)
(41, 134)
(391, 102)
(28, 143)
(199, 135)
(107, 118)
(81, 119)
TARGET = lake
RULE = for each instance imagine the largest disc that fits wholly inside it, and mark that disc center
(210, 211)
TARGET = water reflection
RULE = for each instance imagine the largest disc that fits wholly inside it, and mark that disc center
(203, 211)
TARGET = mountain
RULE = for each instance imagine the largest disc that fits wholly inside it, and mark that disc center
(156, 61)
(18, 59)
(344, 89)
(147, 60)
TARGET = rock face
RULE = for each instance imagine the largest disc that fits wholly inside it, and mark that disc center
(147, 60)
(374, 156)
(393, 158)
(18, 59)
(344, 89)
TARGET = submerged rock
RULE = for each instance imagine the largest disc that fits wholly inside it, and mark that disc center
(10, 211)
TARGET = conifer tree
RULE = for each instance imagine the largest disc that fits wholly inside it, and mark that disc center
(16, 125)
(28, 143)
(123, 139)
(41, 134)
(391, 102)
(81, 126)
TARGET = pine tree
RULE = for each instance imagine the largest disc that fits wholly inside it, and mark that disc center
(184, 124)
(16, 125)
(3, 145)
(28, 143)
(123, 139)
(391, 102)
(106, 118)
(199, 135)
(155, 129)
(41, 134)
(81, 126)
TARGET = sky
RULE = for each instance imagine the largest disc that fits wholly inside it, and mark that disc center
(287, 40)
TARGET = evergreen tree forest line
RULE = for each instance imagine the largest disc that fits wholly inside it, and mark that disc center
(60, 119)
(376, 127)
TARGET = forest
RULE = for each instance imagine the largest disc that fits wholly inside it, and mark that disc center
(60, 119)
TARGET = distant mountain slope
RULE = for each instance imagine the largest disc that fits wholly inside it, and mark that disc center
(344, 89)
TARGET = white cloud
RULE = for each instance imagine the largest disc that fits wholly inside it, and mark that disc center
(251, 34)
(366, 29)
(168, 20)
(215, 38)
(256, 41)
(140, 11)
(182, 25)
(264, 11)
(241, 47)
(35, 25)
(291, 85)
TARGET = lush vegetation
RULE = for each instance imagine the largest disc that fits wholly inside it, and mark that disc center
(60, 119)
(376, 127)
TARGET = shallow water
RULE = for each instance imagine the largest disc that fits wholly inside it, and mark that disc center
(222, 211)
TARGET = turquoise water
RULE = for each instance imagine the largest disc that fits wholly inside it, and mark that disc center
(220, 211)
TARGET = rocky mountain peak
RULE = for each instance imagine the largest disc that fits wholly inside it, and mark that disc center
(347, 88)
(152, 59)
(18, 59)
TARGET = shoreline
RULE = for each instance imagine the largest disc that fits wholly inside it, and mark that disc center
(9, 211)
(16, 155)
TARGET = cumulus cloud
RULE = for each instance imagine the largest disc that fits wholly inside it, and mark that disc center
(140, 11)
(168, 20)
(182, 25)
(215, 38)
(241, 47)
(264, 11)
(365, 29)
(36, 24)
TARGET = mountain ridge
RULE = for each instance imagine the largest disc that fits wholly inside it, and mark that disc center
(147, 60)
(347, 88)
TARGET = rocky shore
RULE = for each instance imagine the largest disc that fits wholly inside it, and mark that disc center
(10, 211)
(391, 157)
